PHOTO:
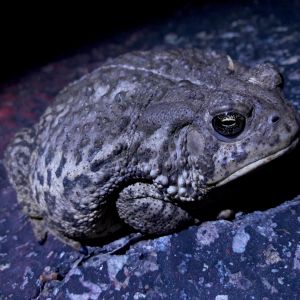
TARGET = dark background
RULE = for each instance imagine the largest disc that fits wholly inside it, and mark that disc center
(32, 35)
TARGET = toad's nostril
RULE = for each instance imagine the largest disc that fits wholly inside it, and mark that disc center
(275, 119)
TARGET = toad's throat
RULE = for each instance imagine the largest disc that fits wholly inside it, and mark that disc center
(256, 164)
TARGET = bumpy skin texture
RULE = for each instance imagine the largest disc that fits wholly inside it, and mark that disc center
(134, 142)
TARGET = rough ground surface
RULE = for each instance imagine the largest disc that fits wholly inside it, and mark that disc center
(257, 256)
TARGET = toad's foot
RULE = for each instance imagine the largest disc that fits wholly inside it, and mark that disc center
(40, 230)
(144, 208)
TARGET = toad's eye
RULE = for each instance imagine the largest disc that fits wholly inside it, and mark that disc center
(229, 124)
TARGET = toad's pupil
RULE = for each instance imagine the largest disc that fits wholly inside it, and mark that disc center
(228, 122)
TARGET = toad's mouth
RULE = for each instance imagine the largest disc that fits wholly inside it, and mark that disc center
(258, 163)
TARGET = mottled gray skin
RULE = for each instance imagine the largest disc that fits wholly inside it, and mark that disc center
(133, 142)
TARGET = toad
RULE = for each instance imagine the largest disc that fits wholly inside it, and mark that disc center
(145, 139)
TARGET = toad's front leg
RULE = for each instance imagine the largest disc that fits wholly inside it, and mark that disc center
(144, 208)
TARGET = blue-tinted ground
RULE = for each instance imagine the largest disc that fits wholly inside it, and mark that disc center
(255, 257)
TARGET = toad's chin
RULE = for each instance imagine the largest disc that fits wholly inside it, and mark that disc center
(258, 163)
